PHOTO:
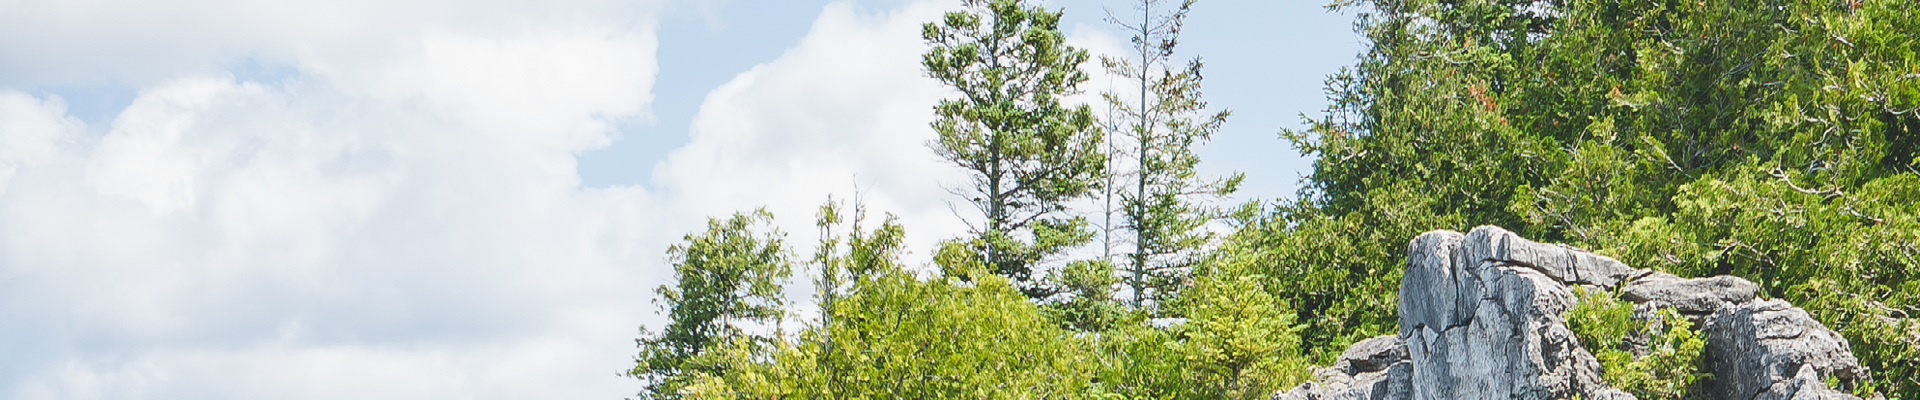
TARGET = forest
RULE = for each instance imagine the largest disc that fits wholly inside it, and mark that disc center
(1772, 140)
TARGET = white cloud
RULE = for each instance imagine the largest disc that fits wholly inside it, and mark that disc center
(401, 218)
(846, 106)
(32, 130)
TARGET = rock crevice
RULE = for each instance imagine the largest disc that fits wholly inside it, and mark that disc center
(1481, 317)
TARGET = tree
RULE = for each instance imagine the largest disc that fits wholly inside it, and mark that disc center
(865, 254)
(1164, 209)
(730, 275)
(1028, 153)
(1241, 341)
(1089, 305)
(1771, 140)
(891, 334)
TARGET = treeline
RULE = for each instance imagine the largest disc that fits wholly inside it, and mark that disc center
(1768, 139)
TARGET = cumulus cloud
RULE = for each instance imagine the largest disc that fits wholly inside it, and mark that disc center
(401, 217)
(846, 107)
(845, 110)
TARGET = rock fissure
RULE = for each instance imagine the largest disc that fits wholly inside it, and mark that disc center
(1500, 300)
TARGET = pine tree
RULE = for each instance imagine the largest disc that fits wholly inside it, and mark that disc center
(1028, 153)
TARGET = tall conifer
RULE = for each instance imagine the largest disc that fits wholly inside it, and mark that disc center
(1029, 153)
(1162, 117)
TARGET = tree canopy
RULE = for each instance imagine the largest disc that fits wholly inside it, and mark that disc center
(1767, 139)
(1773, 140)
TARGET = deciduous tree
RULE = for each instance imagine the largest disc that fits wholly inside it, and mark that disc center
(730, 275)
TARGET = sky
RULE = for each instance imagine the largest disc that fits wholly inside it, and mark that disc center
(441, 199)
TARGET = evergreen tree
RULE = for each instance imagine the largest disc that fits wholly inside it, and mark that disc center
(1240, 340)
(1163, 119)
(1028, 153)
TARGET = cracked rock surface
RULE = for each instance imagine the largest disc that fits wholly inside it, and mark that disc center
(1690, 296)
(1481, 318)
(1373, 369)
(1764, 349)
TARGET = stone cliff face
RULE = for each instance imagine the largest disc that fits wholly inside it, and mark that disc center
(1481, 318)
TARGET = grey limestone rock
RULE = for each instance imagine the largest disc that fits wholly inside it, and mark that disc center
(1690, 296)
(1481, 318)
(1373, 369)
(1562, 263)
(1373, 354)
(1763, 348)
(1805, 385)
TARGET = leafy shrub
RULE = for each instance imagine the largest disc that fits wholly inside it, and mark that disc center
(1671, 366)
(1599, 320)
(1672, 363)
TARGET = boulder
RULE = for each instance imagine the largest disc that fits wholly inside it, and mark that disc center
(1373, 369)
(1762, 349)
(1481, 317)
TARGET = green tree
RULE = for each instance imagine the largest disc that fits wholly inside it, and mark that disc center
(1671, 365)
(1767, 139)
(1089, 305)
(1164, 208)
(891, 334)
(730, 275)
(847, 256)
(1028, 153)
(1241, 341)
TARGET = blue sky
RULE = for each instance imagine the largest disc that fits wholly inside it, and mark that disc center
(226, 199)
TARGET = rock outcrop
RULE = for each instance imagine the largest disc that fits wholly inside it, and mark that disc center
(1762, 349)
(1481, 318)
(1373, 369)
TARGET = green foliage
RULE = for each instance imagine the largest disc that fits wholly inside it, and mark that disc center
(1139, 361)
(841, 269)
(1238, 342)
(1671, 364)
(1028, 153)
(886, 333)
(1671, 367)
(942, 338)
(1340, 275)
(1164, 206)
(1599, 320)
(1089, 305)
(1241, 341)
(731, 274)
(1767, 139)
